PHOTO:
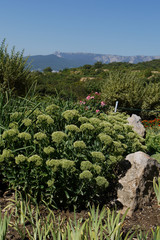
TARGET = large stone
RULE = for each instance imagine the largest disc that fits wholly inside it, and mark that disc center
(136, 187)
(138, 127)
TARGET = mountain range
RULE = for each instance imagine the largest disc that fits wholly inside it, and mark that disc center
(61, 60)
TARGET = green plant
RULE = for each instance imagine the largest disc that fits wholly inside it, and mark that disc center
(4, 223)
(61, 155)
(156, 186)
(125, 86)
(152, 140)
(94, 224)
(14, 71)
(156, 233)
(114, 225)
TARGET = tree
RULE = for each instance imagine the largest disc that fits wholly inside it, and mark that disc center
(15, 72)
(47, 69)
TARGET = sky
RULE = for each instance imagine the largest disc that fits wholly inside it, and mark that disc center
(118, 27)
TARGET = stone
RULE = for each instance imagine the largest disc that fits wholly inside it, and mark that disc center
(138, 127)
(136, 186)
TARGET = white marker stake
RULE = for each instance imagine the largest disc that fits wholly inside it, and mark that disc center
(115, 110)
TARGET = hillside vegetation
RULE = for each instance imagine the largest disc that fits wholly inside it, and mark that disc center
(132, 85)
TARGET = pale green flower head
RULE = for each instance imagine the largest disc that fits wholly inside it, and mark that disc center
(53, 162)
(67, 164)
(118, 127)
(86, 126)
(128, 127)
(124, 146)
(94, 121)
(27, 122)
(69, 115)
(48, 150)
(120, 150)
(79, 144)
(131, 135)
(36, 159)
(113, 159)
(15, 116)
(11, 133)
(107, 130)
(120, 137)
(40, 136)
(58, 137)
(50, 182)
(13, 125)
(117, 144)
(106, 139)
(20, 158)
(105, 124)
(97, 168)
(37, 112)
(83, 119)
(86, 174)
(6, 154)
(72, 128)
(51, 109)
(64, 163)
(25, 136)
(102, 182)
(98, 156)
(86, 165)
(43, 119)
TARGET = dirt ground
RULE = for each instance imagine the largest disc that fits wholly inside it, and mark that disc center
(144, 219)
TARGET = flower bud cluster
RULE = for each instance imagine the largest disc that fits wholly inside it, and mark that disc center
(25, 136)
(69, 115)
(58, 137)
(6, 154)
(27, 122)
(51, 109)
(98, 156)
(86, 126)
(20, 158)
(36, 159)
(44, 119)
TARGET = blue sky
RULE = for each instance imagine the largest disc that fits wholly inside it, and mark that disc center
(121, 27)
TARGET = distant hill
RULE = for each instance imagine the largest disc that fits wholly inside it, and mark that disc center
(61, 60)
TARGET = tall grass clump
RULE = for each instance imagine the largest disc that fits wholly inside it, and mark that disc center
(61, 155)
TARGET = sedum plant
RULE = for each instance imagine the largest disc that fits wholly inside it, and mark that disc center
(64, 157)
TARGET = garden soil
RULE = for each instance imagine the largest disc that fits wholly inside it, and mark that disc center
(145, 219)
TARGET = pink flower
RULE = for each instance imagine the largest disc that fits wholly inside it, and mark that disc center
(92, 97)
(97, 111)
(88, 97)
(81, 102)
(103, 104)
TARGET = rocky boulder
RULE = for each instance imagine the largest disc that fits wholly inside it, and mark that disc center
(138, 127)
(136, 186)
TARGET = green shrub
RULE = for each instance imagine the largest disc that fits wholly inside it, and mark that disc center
(14, 71)
(132, 91)
(153, 141)
(63, 156)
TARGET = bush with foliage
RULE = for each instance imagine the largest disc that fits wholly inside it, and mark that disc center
(14, 71)
(94, 103)
(153, 142)
(133, 92)
(64, 157)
